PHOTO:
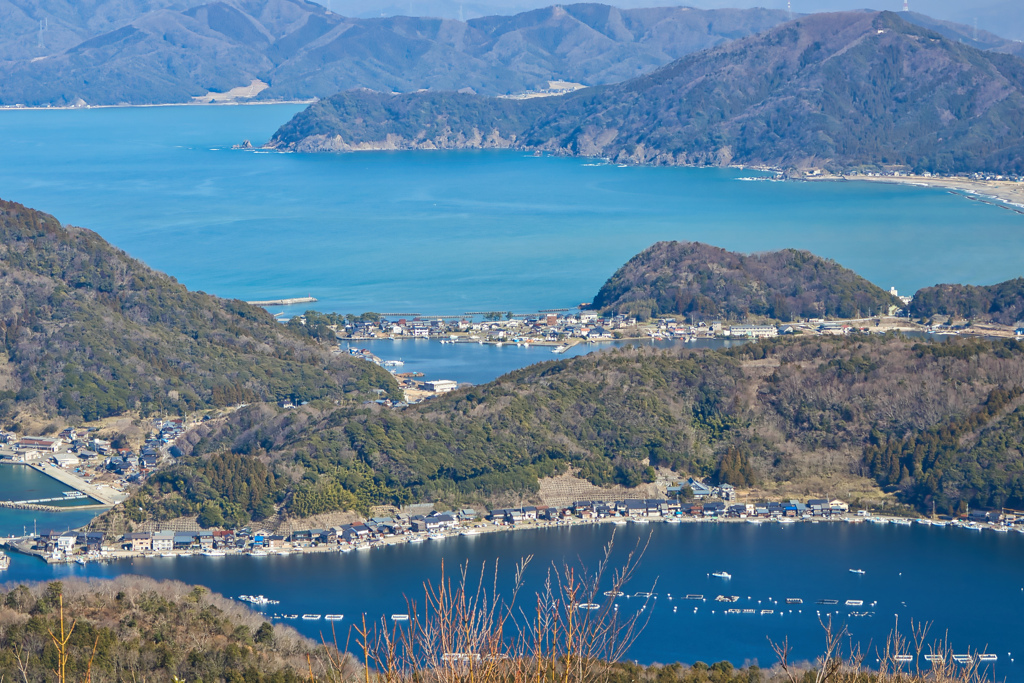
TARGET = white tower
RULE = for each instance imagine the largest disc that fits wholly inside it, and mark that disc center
(906, 5)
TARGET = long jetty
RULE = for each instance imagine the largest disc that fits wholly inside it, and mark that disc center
(284, 302)
(20, 505)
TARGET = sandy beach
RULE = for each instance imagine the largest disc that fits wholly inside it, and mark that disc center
(1004, 190)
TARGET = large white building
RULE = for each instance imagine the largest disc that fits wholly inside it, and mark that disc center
(441, 386)
(753, 331)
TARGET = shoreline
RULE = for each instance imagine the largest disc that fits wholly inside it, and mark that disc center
(484, 527)
(84, 107)
(102, 499)
(1003, 191)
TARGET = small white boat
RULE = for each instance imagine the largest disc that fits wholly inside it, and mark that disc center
(903, 659)
(794, 601)
(674, 520)
(854, 603)
(987, 657)
(934, 658)
(214, 553)
(258, 600)
(436, 537)
(561, 348)
(416, 539)
(399, 617)
(962, 659)
(258, 553)
(588, 605)
(311, 617)
(857, 571)
(722, 575)
(81, 561)
(614, 594)
(168, 555)
(469, 532)
(334, 617)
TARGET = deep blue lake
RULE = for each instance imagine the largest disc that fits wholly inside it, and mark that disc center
(968, 583)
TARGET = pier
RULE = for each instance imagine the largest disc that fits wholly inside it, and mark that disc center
(106, 496)
(284, 302)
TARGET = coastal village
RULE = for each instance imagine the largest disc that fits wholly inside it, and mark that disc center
(561, 330)
(688, 501)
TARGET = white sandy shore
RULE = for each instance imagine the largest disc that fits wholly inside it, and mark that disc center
(1002, 190)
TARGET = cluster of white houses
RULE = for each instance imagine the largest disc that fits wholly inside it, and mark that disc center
(68, 544)
(435, 522)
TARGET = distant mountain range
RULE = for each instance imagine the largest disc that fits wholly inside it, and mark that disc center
(150, 51)
(690, 278)
(840, 91)
(145, 51)
(1000, 16)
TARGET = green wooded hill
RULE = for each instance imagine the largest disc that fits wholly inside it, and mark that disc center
(690, 278)
(840, 91)
(133, 628)
(89, 332)
(1001, 303)
(807, 411)
(136, 629)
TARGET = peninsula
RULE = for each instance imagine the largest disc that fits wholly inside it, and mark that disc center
(843, 91)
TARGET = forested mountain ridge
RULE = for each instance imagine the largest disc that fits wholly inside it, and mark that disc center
(147, 51)
(89, 332)
(1002, 303)
(839, 91)
(809, 412)
(690, 278)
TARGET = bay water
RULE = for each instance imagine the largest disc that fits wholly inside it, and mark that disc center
(451, 232)
(966, 584)
(20, 483)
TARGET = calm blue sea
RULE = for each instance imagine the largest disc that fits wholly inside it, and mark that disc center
(450, 232)
(965, 582)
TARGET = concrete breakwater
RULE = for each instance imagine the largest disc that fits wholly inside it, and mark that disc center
(283, 302)
(15, 505)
